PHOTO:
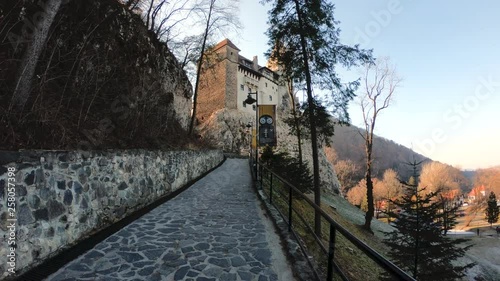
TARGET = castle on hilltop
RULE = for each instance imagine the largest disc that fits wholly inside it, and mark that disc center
(226, 80)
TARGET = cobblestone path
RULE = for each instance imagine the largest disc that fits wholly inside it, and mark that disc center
(212, 231)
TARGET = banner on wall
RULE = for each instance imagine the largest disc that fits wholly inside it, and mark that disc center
(267, 125)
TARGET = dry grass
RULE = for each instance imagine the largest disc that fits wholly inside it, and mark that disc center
(352, 261)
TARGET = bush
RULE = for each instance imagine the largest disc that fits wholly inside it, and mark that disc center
(288, 168)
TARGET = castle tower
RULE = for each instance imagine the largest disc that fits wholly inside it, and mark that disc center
(227, 78)
(218, 80)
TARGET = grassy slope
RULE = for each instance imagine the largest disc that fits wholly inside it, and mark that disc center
(354, 263)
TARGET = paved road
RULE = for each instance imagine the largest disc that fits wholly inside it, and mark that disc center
(215, 230)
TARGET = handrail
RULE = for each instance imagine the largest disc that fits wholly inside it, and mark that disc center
(374, 255)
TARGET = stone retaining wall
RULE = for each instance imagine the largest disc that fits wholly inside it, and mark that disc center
(62, 197)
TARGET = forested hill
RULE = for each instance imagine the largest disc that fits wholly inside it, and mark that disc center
(349, 145)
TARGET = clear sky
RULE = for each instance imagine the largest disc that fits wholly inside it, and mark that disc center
(448, 54)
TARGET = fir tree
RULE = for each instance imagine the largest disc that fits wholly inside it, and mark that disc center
(289, 168)
(324, 122)
(304, 39)
(449, 212)
(492, 211)
(418, 244)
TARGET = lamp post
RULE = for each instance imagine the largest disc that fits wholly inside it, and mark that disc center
(249, 132)
(251, 100)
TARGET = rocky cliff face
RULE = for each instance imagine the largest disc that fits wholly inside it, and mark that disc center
(287, 142)
(227, 129)
(100, 79)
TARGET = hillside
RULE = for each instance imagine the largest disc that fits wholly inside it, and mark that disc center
(99, 79)
(349, 145)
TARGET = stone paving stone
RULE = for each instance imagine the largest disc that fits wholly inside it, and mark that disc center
(211, 231)
(181, 272)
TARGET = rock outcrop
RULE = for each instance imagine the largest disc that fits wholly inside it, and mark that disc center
(227, 129)
(288, 142)
(100, 79)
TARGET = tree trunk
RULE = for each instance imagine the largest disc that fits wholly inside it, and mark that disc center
(149, 15)
(32, 54)
(369, 197)
(312, 121)
(296, 120)
(198, 71)
(369, 183)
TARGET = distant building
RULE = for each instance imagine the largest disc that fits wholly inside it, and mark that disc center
(476, 193)
(228, 77)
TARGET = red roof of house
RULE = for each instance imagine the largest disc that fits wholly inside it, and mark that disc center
(476, 190)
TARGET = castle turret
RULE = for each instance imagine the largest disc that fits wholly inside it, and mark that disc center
(218, 80)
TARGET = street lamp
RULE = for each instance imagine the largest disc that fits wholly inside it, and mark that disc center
(249, 132)
(251, 100)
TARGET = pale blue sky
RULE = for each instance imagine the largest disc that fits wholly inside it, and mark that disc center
(446, 51)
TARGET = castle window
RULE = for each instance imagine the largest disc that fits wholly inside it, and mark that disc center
(242, 87)
(266, 84)
(253, 107)
(270, 98)
(244, 104)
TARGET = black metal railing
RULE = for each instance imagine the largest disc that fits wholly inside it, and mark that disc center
(281, 195)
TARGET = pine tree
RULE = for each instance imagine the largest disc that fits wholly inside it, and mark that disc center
(289, 168)
(308, 52)
(418, 244)
(449, 212)
(324, 122)
(492, 211)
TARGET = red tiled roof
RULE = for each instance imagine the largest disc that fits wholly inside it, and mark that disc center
(476, 190)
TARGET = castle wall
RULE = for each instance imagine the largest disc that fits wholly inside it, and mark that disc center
(212, 89)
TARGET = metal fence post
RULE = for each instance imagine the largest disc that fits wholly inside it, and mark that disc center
(256, 170)
(260, 172)
(331, 250)
(271, 189)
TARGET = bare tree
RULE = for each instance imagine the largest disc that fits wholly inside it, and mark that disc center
(489, 178)
(176, 22)
(393, 189)
(346, 170)
(380, 83)
(216, 18)
(164, 19)
(444, 180)
(131, 4)
(357, 194)
(438, 177)
(200, 61)
(32, 54)
(379, 196)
